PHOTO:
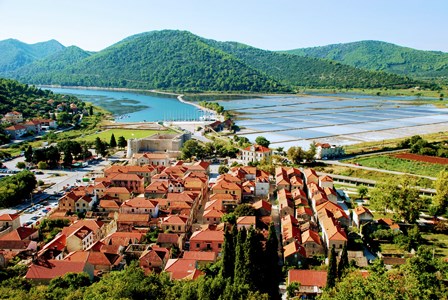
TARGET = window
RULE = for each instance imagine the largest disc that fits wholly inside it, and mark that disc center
(219, 246)
(197, 245)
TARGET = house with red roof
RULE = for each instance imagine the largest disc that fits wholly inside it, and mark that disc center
(246, 222)
(81, 239)
(326, 181)
(140, 205)
(255, 153)
(109, 206)
(145, 171)
(227, 187)
(294, 253)
(175, 224)
(16, 131)
(262, 207)
(169, 240)
(361, 215)
(202, 257)
(157, 189)
(180, 268)
(128, 222)
(42, 271)
(311, 176)
(101, 262)
(123, 239)
(312, 243)
(200, 166)
(212, 216)
(207, 240)
(13, 117)
(21, 234)
(325, 151)
(155, 159)
(154, 259)
(133, 182)
(311, 282)
(8, 223)
(332, 232)
(285, 204)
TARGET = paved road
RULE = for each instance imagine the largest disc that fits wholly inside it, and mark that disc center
(338, 163)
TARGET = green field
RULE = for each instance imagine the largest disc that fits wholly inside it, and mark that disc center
(438, 242)
(389, 162)
(126, 133)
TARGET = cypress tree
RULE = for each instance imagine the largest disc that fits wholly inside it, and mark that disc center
(343, 262)
(332, 269)
(228, 256)
(68, 158)
(90, 110)
(113, 142)
(271, 263)
(240, 258)
(28, 154)
(253, 260)
(235, 236)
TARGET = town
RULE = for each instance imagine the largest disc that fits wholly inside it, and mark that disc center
(173, 217)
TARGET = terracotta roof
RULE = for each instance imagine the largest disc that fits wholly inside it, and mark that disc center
(9, 217)
(15, 244)
(117, 190)
(15, 127)
(208, 256)
(225, 185)
(308, 277)
(58, 243)
(139, 203)
(174, 220)
(133, 218)
(172, 238)
(222, 197)
(389, 222)
(257, 148)
(262, 204)
(125, 177)
(54, 268)
(246, 220)
(123, 238)
(293, 248)
(181, 268)
(19, 234)
(157, 186)
(311, 236)
(325, 178)
(213, 213)
(109, 204)
(94, 258)
(81, 232)
(304, 210)
(208, 235)
(359, 210)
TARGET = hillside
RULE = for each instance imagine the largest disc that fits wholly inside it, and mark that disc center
(171, 60)
(29, 100)
(382, 56)
(182, 61)
(15, 54)
(303, 71)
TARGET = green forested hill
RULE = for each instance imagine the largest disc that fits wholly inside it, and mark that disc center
(43, 69)
(312, 72)
(163, 60)
(376, 55)
(182, 61)
(15, 54)
(29, 100)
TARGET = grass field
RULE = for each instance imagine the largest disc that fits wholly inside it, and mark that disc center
(372, 175)
(437, 241)
(389, 162)
(126, 133)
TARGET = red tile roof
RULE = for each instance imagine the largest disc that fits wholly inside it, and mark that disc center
(19, 234)
(257, 148)
(54, 268)
(308, 277)
(200, 255)
(181, 268)
(208, 235)
(9, 217)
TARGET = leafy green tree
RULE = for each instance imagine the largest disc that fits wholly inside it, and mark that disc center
(122, 142)
(262, 141)
(21, 165)
(113, 142)
(440, 200)
(100, 147)
(244, 210)
(343, 262)
(42, 165)
(362, 191)
(191, 148)
(296, 154)
(292, 288)
(332, 271)
(63, 119)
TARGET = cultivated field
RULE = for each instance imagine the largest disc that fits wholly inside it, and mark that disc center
(423, 158)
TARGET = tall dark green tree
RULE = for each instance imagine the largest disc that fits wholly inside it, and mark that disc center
(235, 237)
(272, 268)
(240, 274)
(228, 256)
(28, 154)
(113, 142)
(68, 158)
(100, 147)
(332, 271)
(253, 260)
(90, 110)
(343, 262)
(122, 142)
(262, 141)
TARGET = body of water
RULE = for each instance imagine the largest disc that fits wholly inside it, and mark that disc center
(136, 106)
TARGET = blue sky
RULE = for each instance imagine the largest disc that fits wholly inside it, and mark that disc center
(273, 25)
